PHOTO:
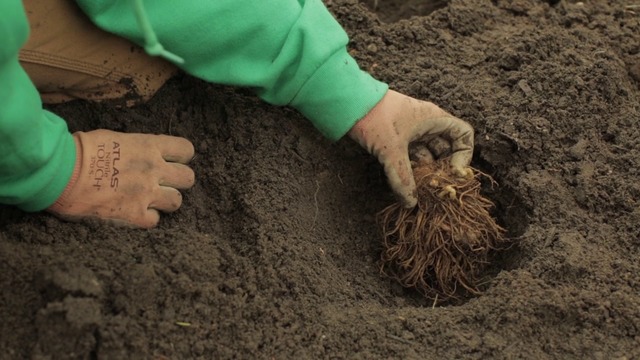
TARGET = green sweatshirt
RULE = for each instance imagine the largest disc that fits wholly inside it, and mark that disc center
(291, 52)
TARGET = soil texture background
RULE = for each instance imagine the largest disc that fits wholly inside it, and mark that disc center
(275, 251)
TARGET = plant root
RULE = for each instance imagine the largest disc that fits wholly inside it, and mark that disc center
(440, 246)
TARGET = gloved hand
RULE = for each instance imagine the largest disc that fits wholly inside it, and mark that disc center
(399, 121)
(126, 179)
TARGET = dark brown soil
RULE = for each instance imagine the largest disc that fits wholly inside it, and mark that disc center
(275, 252)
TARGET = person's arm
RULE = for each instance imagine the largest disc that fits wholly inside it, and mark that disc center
(85, 175)
(37, 152)
(292, 52)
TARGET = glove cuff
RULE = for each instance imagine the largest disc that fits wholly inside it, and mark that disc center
(59, 203)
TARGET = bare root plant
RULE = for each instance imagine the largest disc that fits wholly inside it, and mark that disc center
(440, 246)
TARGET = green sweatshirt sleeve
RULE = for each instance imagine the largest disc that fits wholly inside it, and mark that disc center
(37, 153)
(291, 52)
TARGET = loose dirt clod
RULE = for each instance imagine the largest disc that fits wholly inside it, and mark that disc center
(440, 246)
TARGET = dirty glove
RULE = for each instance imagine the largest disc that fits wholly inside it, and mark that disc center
(399, 122)
(126, 179)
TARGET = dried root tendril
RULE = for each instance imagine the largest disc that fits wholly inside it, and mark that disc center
(440, 246)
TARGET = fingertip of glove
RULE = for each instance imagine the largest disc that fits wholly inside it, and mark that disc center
(463, 172)
(409, 201)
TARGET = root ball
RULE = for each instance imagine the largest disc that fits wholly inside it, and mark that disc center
(440, 246)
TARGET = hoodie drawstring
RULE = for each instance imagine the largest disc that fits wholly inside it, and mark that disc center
(151, 44)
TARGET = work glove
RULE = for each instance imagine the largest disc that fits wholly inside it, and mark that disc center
(399, 125)
(126, 179)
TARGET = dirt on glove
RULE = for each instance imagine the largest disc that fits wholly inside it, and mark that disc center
(275, 251)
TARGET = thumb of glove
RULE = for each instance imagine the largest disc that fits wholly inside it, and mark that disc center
(392, 153)
(397, 167)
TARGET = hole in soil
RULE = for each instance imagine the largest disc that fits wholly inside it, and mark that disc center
(394, 10)
(511, 213)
